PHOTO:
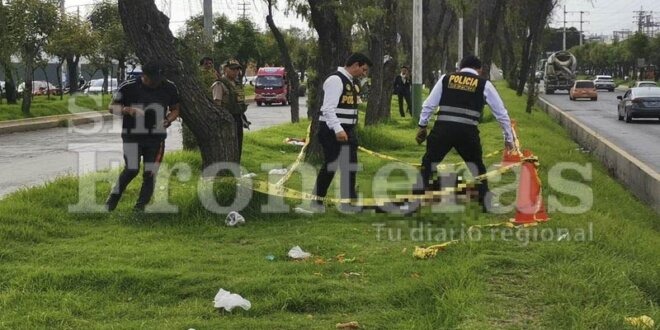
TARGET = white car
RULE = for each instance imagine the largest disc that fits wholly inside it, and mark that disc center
(96, 86)
(40, 87)
(646, 83)
(604, 82)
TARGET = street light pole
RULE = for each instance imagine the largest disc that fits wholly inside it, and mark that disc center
(417, 59)
(208, 22)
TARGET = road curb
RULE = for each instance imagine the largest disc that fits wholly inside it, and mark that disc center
(640, 179)
(46, 122)
(31, 124)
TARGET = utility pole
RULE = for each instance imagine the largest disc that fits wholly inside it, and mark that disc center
(460, 37)
(417, 59)
(581, 21)
(564, 40)
(476, 38)
(208, 22)
(639, 19)
(244, 6)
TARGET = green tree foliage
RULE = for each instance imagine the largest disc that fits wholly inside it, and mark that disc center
(112, 42)
(72, 39)
(29, 25)
(240, 39)
(619, 58)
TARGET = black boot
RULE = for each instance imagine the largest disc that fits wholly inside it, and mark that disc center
(111, 202)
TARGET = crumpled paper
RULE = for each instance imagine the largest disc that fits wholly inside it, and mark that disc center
(228, 301)
(234, 219)
(297, 253)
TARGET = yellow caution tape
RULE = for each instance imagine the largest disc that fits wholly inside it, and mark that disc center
(299, 159)
(442, 166)
(431, 251)
(386, 157)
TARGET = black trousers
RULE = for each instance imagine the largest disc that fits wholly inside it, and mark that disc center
(342, 156)
(151, 153)
(238, 121)
(408, 100)
(447, 135)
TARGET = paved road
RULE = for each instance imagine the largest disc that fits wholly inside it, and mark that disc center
(641, 138)
(33, 158)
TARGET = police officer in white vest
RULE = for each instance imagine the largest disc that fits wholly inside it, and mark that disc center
(338, 127)
(461, 97)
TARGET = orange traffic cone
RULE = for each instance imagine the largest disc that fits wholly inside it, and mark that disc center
(529, 202)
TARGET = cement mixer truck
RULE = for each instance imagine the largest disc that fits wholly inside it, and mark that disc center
(559, 72)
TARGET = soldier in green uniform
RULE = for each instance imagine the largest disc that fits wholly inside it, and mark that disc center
(230, 96)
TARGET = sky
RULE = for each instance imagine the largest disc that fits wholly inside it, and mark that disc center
(183, 9)
(601, 16)
(604, 16)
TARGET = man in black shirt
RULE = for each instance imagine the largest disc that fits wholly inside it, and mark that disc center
(148, 105)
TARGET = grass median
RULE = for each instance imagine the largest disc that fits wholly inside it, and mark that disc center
(119, 270)
(42, 106)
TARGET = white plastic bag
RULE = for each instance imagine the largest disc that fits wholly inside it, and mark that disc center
(297, 253)
(234, 219)
(278, 171)
(227, 300)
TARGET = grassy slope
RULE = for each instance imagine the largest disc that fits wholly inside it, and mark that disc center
(59, 269)
(42, 106)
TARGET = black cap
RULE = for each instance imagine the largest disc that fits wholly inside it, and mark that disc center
(470, 61)
(405, 67)
(232, 64)
(155, 70)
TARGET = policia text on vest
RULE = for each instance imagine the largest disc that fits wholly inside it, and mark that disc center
(461, 97)
(337, 121)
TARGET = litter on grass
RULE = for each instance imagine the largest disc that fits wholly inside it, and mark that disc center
(234, 219)
(431, 251)
(643, 322)
(228, 301)
(297, 253)
(349, 325)
(278, 171)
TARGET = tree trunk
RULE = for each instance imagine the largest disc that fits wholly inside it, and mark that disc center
(105, 71)
(43, 69)
(59, 78)
(491, 38)
(72, 68)
(373, 115)
(121, 70)
(334, 47)
(10, 85)
(524, 64)
(286, 60)
(148, 30)
(439, 21)
(539, 11)
(383, 42)
(27, 92)
(509, 62)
